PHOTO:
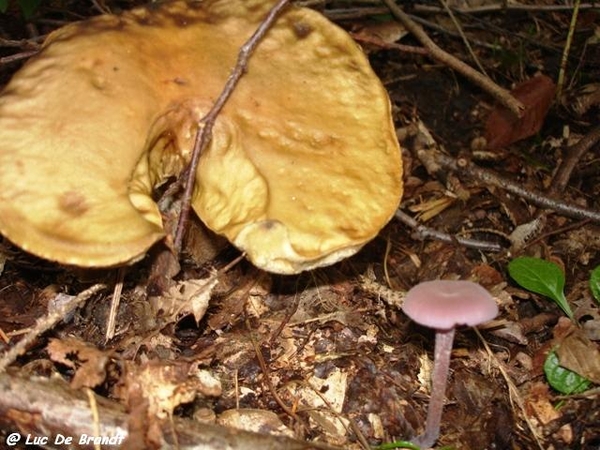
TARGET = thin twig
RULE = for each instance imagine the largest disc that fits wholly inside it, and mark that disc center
(95, 415)
(556, 231)
(499, 93)
(463, 36)
(464, 167)
(574, 154)
(424, 232)
(114, 304)
(206, 124)
(23, 44)
(559, 184)
(565, 56)
(100, 6)
(44, 324)
(263, 366)
(506, 6)
(373, 40)
(353, 13)
(436, 27)
(17, 57)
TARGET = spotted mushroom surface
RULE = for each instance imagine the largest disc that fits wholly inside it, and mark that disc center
(302, 170)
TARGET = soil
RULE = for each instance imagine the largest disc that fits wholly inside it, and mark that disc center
(327, 356)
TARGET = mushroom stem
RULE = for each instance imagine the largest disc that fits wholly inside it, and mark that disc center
(441, 365)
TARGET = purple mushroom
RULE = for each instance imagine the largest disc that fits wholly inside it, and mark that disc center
(442, 305)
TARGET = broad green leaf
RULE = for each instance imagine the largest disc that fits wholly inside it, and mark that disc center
(595, 283)
(541, 277)
(3, 5)
(561, 379)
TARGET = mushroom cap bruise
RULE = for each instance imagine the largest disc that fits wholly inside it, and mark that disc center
(302, 170)
(444, 304)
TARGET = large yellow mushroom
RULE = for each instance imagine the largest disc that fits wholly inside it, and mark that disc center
(302, 170)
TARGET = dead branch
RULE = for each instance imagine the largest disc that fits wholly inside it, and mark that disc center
(422, 232)
(574, 154)
(17, 57)
(506, 6)
(499, 93)
(466, 168)
(565, 56)
(463, 36)
(45, 323)
(363, 38)
(48, 408)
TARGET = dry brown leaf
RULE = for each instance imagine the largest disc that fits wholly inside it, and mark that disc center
(503, 128)
(88, 362)
(386, 32)
(579, 354)
(166, 385)
(588, 313)
(430, 208)
(187, 297)
(257, 420)
(250, 294)
(538, 404)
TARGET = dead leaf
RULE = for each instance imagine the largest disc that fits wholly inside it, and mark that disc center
(386, 32)
(503, 128)
(250, 294)
(88, 362)
(186, 297)
(166, 385)
(579, 354)
(538, 404)
(580, 100)
(323, 398)
(257, 420)
(587, 312)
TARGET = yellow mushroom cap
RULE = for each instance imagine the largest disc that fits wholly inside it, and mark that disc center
(302, 170)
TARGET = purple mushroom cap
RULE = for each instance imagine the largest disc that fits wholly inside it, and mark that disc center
(444, 304)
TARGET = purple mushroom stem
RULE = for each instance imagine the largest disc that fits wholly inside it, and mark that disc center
(441, 366)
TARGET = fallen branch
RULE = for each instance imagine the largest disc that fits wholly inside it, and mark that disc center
(43, 324)
(49, 409)
(506, 7)
(422, 232)
(466, 168)
(499, 93)
(574, 154)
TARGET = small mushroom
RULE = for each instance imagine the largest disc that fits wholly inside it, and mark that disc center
(302, 170)
(442, 305)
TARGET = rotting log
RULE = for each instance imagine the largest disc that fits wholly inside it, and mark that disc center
(49, 408)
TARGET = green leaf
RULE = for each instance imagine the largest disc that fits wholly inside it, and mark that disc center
(397, 444)
(3, 5)
(541, 277)
(595, 283)
(28, 7)
(561, 379)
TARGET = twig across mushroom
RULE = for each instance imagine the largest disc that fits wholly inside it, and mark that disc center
(302, 170)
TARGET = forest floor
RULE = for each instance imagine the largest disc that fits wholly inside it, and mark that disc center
(328, 356)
